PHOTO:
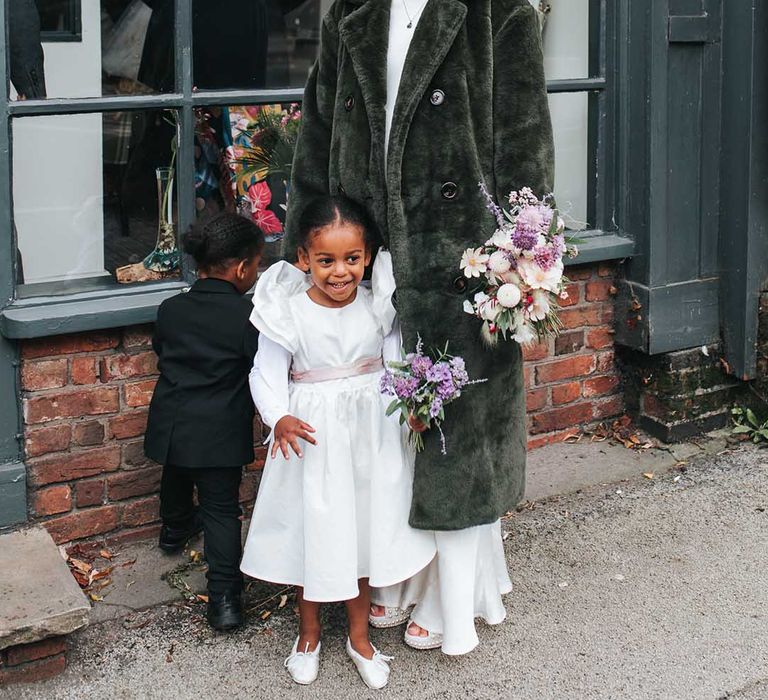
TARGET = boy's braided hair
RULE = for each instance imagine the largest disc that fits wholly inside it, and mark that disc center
(223, 238)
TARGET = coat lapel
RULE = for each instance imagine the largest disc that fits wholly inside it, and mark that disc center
(365, 34)
(434, 36)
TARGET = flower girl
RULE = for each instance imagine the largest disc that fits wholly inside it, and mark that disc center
(331, 515)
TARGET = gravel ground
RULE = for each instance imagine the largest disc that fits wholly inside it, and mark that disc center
(645, 589)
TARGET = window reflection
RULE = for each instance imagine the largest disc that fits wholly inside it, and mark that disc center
(243, 158)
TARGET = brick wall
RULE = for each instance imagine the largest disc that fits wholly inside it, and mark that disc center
(85, 400)
(38, 661)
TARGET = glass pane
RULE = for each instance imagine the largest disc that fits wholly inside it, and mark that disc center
(76, 48)
(94, 201)
(269, 44)
(243, 158)
(566, 37)
(570, 121)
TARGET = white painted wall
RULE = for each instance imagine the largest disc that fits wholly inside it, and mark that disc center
(57, 167)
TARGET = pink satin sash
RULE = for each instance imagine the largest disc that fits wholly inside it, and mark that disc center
(367, 365)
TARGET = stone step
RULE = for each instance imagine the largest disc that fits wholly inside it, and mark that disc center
(39, 598)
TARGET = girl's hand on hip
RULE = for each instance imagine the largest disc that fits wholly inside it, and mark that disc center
(288, 431)
(416, 424)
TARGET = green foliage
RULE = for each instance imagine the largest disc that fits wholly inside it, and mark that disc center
(747, 423)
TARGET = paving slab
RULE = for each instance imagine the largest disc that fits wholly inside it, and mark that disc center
(38, 596)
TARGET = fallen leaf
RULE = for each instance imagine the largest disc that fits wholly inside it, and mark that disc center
(94, 597)
(705, 350)
(283, 601)
(105, 554)
(80, 565)
(98, 574)
(128, 563)
(266, 614)
(648, 475)
(202, 598)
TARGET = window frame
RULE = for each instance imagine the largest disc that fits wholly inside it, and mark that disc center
(111, 307)
(74, 33)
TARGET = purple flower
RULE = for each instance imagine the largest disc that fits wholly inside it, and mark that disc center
(435, 407)
(405, 387)
(459, 372)
(387, 384)
(439, 373)
(491, 206)
(420, 365)
(558, 245)
(523, 237)
(446, 389)
(544, 257)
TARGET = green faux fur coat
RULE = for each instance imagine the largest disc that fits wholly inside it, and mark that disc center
(472, 107)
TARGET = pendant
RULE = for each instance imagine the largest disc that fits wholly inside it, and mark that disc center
(410, 24)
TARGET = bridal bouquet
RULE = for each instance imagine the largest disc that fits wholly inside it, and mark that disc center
(521, 270)
(422, 386)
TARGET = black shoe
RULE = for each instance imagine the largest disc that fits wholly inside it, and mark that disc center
(225, 611)
(174, 539)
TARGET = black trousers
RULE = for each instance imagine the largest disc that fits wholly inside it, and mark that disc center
(219, 507)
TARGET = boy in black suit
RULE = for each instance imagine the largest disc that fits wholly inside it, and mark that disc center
(201, 417)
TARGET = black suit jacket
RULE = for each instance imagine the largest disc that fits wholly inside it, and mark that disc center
(201, 413)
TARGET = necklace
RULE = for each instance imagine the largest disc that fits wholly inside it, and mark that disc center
(410, 18)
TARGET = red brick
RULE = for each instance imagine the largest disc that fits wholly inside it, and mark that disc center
(527, 375)
(125, 537)
(71, 404)
(142, 512)
(606, 269)
(598, 386)
(139, 393)
(128, 425)
(69, 344)
(542, 440)
(76, 465)
(598, 290)
(45, 374)
(536, 351)
(569, 342)
(83, 523)
(605, 362)
(133, 483)
(609, 407)
(89, 493)
(581, 316)
(606, 315)
(137, 336)
(34, 671)
(535, 399)
(53, 500)
(258, 462)
(576, 366)
(573, 291)
(86, 433)
(565, 393)
(54, 438)
(133, 455)
(579, 272)
(85, 370)
(248, 487)
(600, 338)
(560, 418)
(128, 366)
(24, 653)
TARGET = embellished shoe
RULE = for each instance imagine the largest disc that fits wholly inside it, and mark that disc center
(431, 641)
(303, 665)
(375, 671)
(392, 617)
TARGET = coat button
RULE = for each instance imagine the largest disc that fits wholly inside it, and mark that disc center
(460, 284)
(437, 98)
(349, 103)
(449, 190)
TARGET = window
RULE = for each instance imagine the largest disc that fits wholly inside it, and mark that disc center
(123, 138)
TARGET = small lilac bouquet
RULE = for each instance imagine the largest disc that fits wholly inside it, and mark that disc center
(521, 269)
(422, 386)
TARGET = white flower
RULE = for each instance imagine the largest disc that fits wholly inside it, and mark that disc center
(502, 238)
(487, 308)
(499, 263)
(508, 295)
(539, 309)
(474, 262)
(523, 332)
(468, 308)
(511, 277)
(537, 278)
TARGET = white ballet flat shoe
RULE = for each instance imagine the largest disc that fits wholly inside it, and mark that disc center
(375, 671)
(303, 665)
(431, 641)
(392, 617)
